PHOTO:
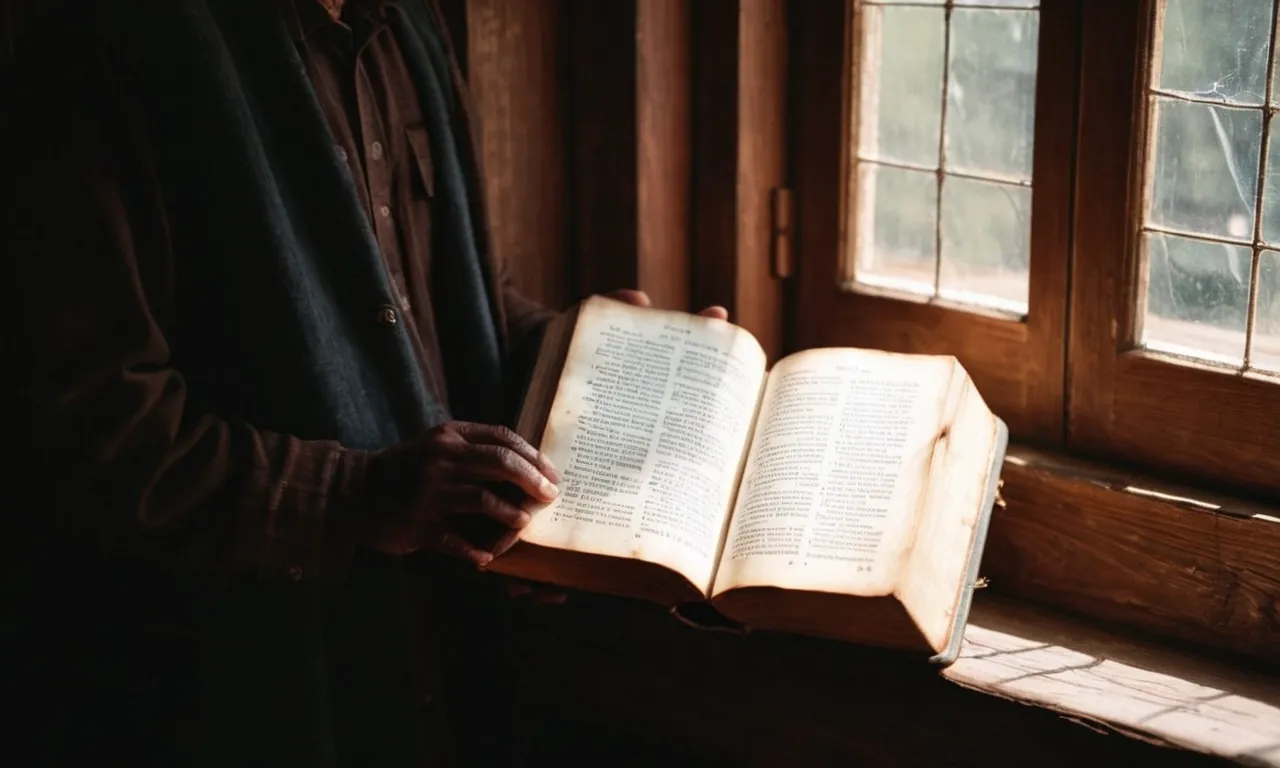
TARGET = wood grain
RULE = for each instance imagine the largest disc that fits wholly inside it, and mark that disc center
(1110, 680)
(515, 67)
(1212, 427)
(631, 94)
(1120, 547)
(1018, 365)
(664, 106)
(740, 138)
(605, 138)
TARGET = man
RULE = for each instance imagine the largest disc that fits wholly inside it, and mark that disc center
(269, 351)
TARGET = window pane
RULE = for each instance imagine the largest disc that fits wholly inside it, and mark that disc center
(1208, 106)
(986, 244)
(1271, 195)
(967, 74)
(1266, 327)
(901, 104)
(1197, 297)
(1206, 168)
(1216, 49)
(991, 92)
(897, 228)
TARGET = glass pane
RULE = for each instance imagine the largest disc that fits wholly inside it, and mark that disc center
(986, 242)
(1275, 73)
(1206, 168)
(991, 92)
(1271, 194)
(901, 90)
(907, 2)
(1006, 3)
(1266, 322)
(1197, 297)
(897, 227)
(1216, 49)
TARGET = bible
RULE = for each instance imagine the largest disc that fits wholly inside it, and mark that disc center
(844, 493)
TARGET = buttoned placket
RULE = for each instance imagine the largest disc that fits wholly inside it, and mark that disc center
(377, 173)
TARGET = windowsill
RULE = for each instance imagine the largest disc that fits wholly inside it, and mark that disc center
(1103, 679)
(1172, 561)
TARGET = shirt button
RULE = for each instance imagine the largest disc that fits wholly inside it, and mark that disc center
(387, 315)
(375, 150)
(295, 573)
(384, 211)
(342, 153)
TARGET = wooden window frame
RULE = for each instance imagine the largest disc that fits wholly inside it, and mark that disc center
(1016, 362)
(1081, 530)
(1128, 404)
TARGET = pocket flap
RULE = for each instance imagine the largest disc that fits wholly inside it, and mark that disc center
(420, 148)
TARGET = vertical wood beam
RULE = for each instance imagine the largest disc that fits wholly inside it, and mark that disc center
(516, 64)
(631, 147)
(739, 151)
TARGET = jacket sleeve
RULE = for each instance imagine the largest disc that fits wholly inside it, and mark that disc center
(132, 460)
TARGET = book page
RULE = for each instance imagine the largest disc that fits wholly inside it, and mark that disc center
(836, 472)
(649, 427)
(962, 464)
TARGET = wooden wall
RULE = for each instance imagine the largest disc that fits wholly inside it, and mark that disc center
(633, 144)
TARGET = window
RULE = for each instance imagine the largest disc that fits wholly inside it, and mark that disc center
(1174, 304)
(1076, 199)
(1211, 220)
(945, 227)
(1096, 236)
(941, 185)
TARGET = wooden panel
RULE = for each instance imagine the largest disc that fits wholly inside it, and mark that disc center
(740, 91)
(631, 147)
(515, 67)
(604, 143)
(664, 87)
(1122, 548)
(1212, 427)
(1019, 365)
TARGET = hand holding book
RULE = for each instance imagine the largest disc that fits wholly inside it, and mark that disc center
(843, 493)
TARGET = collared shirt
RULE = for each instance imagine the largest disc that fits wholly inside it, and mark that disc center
(372, 108)
(154, 469)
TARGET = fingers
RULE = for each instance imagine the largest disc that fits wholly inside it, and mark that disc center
(453, 545)
(486, 434)
(719, 313)
(636, 298)
(501, 464)
(481, 501)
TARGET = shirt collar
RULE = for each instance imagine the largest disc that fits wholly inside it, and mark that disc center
(311, 16)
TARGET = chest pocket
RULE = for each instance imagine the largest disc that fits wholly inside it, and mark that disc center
(422, 171)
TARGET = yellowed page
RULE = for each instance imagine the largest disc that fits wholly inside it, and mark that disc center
(836, 472)
(931, 583)
(648, 427)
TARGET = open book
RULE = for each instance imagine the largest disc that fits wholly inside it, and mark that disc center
(842, 494)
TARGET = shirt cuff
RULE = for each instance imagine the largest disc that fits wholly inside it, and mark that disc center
(314, 513)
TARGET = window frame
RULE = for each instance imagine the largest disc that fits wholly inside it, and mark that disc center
(1018, 364)
(1089, 523)
(1128, 404)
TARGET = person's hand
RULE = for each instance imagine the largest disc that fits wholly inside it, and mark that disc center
(641, 299)
(459, 489)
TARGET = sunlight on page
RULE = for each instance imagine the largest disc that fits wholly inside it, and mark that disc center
(835, 472)
(648, 426)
